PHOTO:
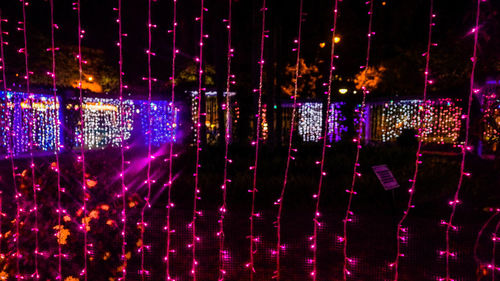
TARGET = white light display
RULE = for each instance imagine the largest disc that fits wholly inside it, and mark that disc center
(102, 122)
(310, 121)
(211, 116)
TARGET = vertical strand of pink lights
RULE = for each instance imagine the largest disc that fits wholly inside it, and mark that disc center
(279, 202)
(465, 148)
(17, 194)
(122, 146)
(480, 233)
(10, 131)
(347, 218)
(2, 56)
(196, 197)
(2, 256)
(2, 66)
(317, 196)
(57, 146)
(227, 137)
(401, 232)
(31, 123)
(143, 271)
(170, 204)
(82, 141)
(495, 238)
(253, 214)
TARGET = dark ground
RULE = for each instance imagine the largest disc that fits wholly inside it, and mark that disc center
(372, 234)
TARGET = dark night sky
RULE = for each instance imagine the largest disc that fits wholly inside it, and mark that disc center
(401, 27)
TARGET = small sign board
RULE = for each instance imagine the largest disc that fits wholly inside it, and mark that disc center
(385, 177)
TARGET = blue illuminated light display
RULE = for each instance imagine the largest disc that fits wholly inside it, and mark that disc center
(163, 120)
(102, 122)
(15, 113)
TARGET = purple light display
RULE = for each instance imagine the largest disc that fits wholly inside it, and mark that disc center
(336, 122)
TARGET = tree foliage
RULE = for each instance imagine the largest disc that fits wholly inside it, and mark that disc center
(189, 75)
(97, 75)
(369, 78)
(309, 77)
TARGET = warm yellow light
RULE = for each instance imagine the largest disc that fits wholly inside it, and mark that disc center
(322, 44)
(343, 91)
(99, 106)
(336, 39)
(90, 78)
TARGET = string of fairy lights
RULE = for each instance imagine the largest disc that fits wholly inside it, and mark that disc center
(57, 124)
(122, 129)
(196, 194)
(465, 149)
(10, 147)
(402, 232)
(81, 159)
(31, 141)
(1, 216)
(290, 157)
(495, 238)
(495, 213)
(326, 132)
(227, 137)
(170, 204)
(32, 123)
(349, 261)
(253, 239)
(143, 272)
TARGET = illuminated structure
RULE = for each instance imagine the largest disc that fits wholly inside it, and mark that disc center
(102, 122)
(212, 117)
(336, 122)
(164, 121)
(310, 121)
(491, 110)
(15, 109)
(386, 121)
